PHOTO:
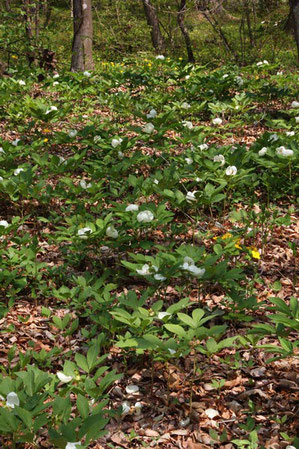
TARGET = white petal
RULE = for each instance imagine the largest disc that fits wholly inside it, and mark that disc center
(64, 378)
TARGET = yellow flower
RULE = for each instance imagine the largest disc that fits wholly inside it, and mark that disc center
(180, 59)
(46, 140)
(46, 131)
(255, 254)
(227, 235)
(14, 57)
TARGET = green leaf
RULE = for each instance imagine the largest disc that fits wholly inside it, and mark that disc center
(83, 406)
(176, 329)
(25, 416)
(82, 362)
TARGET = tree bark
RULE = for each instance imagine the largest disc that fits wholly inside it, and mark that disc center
(181, 23)
(82, 39)
(153, 22)
(294, 14)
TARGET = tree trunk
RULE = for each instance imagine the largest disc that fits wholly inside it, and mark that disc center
(153, 22)
(294, 13)
(82, 40)
(181, 23)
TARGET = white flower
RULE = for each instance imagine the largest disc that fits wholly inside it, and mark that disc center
(295, 104)
(217, 121)
(22, 83)
(162, 315)
(73, 133)
(111, 232)
(15, 142)
(259, 63)
(72, 445)
(145, 216)
(1, 179)
(55, 83)
(2, 151)
(83, 231)
(187, 77)
(145, 270)
(282, 151)
(239, 80)
(18, 171)
(231, 170)
(225, 76)
(290, 133)
(97, 139)
(159, 277)
(279, 73)
(290, 447)
(125, 408)
(152, 113)
(203, 147)
(132, 207)
(188, 160)
(132, 389)
(156, 181)
(84, 185)
(161, 57)
(64, 378)
(187, 261)
(197, 179)
(171, 351)
(61, 160)
(116, 142)
(86, 73)
(297, 119)
(186, 105)
(190, 196)
(190, 266)
(187, 124)
(273, 137)
(52, 108)
(12, 399)
(138, 407)
(263, 151)
(149, 128)
(219, 158)
(56, 76)
(4, 223)
(265, 62)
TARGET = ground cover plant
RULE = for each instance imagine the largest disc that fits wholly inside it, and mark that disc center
(149, 264)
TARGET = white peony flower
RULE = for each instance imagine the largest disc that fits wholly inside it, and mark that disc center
(52, 108)
(15, 142)
(231, 170)
(290, 133)
(116, 142)
(190, 266)
(225, 76)
(2, 151)
(282, 151)
(145, 270)
(84, 185)
(87, 74)
(203, 147)
(64, 378)
(83, 231)
(1, 179)
(188, 160)
(265, 62)
(73, 133)
(152, 113)
(111, 232)
(148, 128)
(18, 171)
(263, 151)
(186, 105)
(156, 181)
(219, 158)
(190, 196)
(217, 121)
(132, 389)
(187, 77)
(72, 445)
(161, 57)
(132, 207)
(22, 83)
(4, 223)
(187, 124)
(295, 104)
(145, 216)
(12, 399)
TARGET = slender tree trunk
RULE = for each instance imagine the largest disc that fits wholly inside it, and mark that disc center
(181, 23)
(82, 40)
(153, 22)
(294, 15)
